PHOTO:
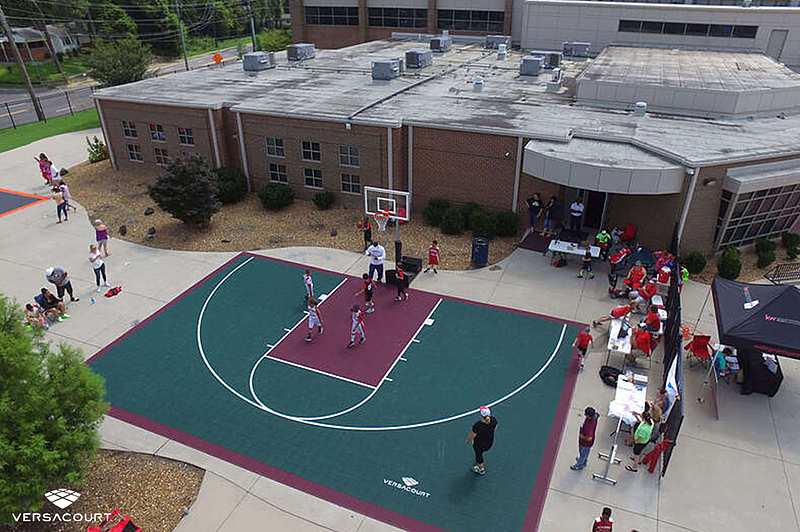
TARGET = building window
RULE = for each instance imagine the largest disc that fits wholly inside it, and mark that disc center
(393, 17)
(468, 20)
(186, 136)
(162, 156)
(331, 16)
(277, 173)
(311, 151)
(129, 130)
(135, 153)
(348, 156)
(351, 184)
(157, 133)
(274, 147)
(765, 213)
(188, 154)
(684, 28)
(313, 177)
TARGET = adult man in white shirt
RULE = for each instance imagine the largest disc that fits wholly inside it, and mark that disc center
(575, 214)
(376, 254)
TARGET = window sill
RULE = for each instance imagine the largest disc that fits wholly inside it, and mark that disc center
(313, 188)
(136, 160)
(312, 161)
(158, 141)
(351, 193)
(187, 145)
(279, 181)
(276, 156)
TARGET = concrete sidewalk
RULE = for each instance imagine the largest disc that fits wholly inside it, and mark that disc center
(738, 474)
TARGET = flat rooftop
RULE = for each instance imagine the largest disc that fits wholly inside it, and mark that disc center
(337, 85)
(700, 69)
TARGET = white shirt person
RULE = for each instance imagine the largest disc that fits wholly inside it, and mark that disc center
(376, 254)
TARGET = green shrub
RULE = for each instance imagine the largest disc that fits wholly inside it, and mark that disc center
(790, 240)
(732, 251)
(433, 212)
(792, 253)
(276, 196)
(98, 151)
(466, 213)
(730, 264)
(187, 191)
(452, 222)
(323, 200)
(695, 262)
(232, 184)
(766, 258)
(483, 223)
(507, 223)
(763, 245)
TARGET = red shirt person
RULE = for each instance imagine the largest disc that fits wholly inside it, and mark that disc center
(586, 438)
(433, 257)
(581, 343)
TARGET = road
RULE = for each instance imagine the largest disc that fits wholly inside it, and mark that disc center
(15, 103)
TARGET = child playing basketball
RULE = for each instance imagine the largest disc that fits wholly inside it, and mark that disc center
(314, 318)
(400, 282)
(357, 326)
(582, 343)
(309, 285)
(367, 291)
(433, 258)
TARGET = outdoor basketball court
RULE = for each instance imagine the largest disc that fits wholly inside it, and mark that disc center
(379, 428)
(12, 201)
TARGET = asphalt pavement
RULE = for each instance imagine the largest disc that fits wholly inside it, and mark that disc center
(17, 109)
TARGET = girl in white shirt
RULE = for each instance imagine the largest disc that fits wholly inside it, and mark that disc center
(98, 265)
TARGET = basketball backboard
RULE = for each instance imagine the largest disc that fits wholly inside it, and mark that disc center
(396, 202)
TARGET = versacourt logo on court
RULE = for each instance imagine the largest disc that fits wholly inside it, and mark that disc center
(407, 485)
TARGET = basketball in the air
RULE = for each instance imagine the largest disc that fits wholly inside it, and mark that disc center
(359, 224)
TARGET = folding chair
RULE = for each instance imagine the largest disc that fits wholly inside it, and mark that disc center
(699, 349)
(629, 234)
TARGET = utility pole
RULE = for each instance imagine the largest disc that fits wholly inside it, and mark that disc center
(180, 27)
(21, 65)
(42, 26)
(249, 7)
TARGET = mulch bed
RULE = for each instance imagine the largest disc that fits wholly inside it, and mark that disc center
(120, 198)
(150, 489)
(750, 270)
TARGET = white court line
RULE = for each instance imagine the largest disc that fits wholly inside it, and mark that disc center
(308, 421)
(315, 370)
(415, 340)
(403, 359)
(388, 379)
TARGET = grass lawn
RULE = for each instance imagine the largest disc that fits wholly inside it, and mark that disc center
(11, 138)
(45, 71)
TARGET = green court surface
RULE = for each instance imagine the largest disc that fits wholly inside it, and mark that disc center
(395, 449)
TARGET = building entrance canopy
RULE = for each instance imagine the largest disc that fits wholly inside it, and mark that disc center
(602, 166)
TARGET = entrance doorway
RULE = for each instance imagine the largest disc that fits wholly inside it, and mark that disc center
(594, 215)
(775, 44)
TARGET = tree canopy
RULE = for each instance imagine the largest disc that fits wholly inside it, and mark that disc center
(187, 191)
(51, 405)
(119, 62)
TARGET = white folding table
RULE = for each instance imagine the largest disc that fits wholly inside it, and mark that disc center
(628, 399)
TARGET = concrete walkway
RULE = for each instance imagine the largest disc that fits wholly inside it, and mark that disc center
(738, 474)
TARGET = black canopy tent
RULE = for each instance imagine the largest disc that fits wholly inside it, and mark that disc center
(771, 325)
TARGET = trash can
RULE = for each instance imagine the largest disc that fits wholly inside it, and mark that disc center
(480, 251)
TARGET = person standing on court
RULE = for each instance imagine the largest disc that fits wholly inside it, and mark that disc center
(482, 437)
(376, 254)
(59, 277)
(585, 438)
(575, 214)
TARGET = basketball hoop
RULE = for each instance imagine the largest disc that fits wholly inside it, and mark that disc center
(381, 218)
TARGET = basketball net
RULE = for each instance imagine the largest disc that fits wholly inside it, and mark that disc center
(381, 218)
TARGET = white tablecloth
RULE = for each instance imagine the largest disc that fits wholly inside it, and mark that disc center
(629, 398)
(571, 248)
(615, 344)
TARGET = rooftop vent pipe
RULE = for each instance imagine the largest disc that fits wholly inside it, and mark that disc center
(501, 51)
(640, 109)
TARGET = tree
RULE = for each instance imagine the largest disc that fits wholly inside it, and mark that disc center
(112, 20)
(119, 62)
(51, 404)
(187, 191)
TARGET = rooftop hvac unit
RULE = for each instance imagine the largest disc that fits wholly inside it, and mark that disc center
(576, 49)
(387, 68)
(300, 51)
(419, 58)
(442, 43)
(258, 61)
(531, 65)
(501, 51)
(493, 40)
(551, 59)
